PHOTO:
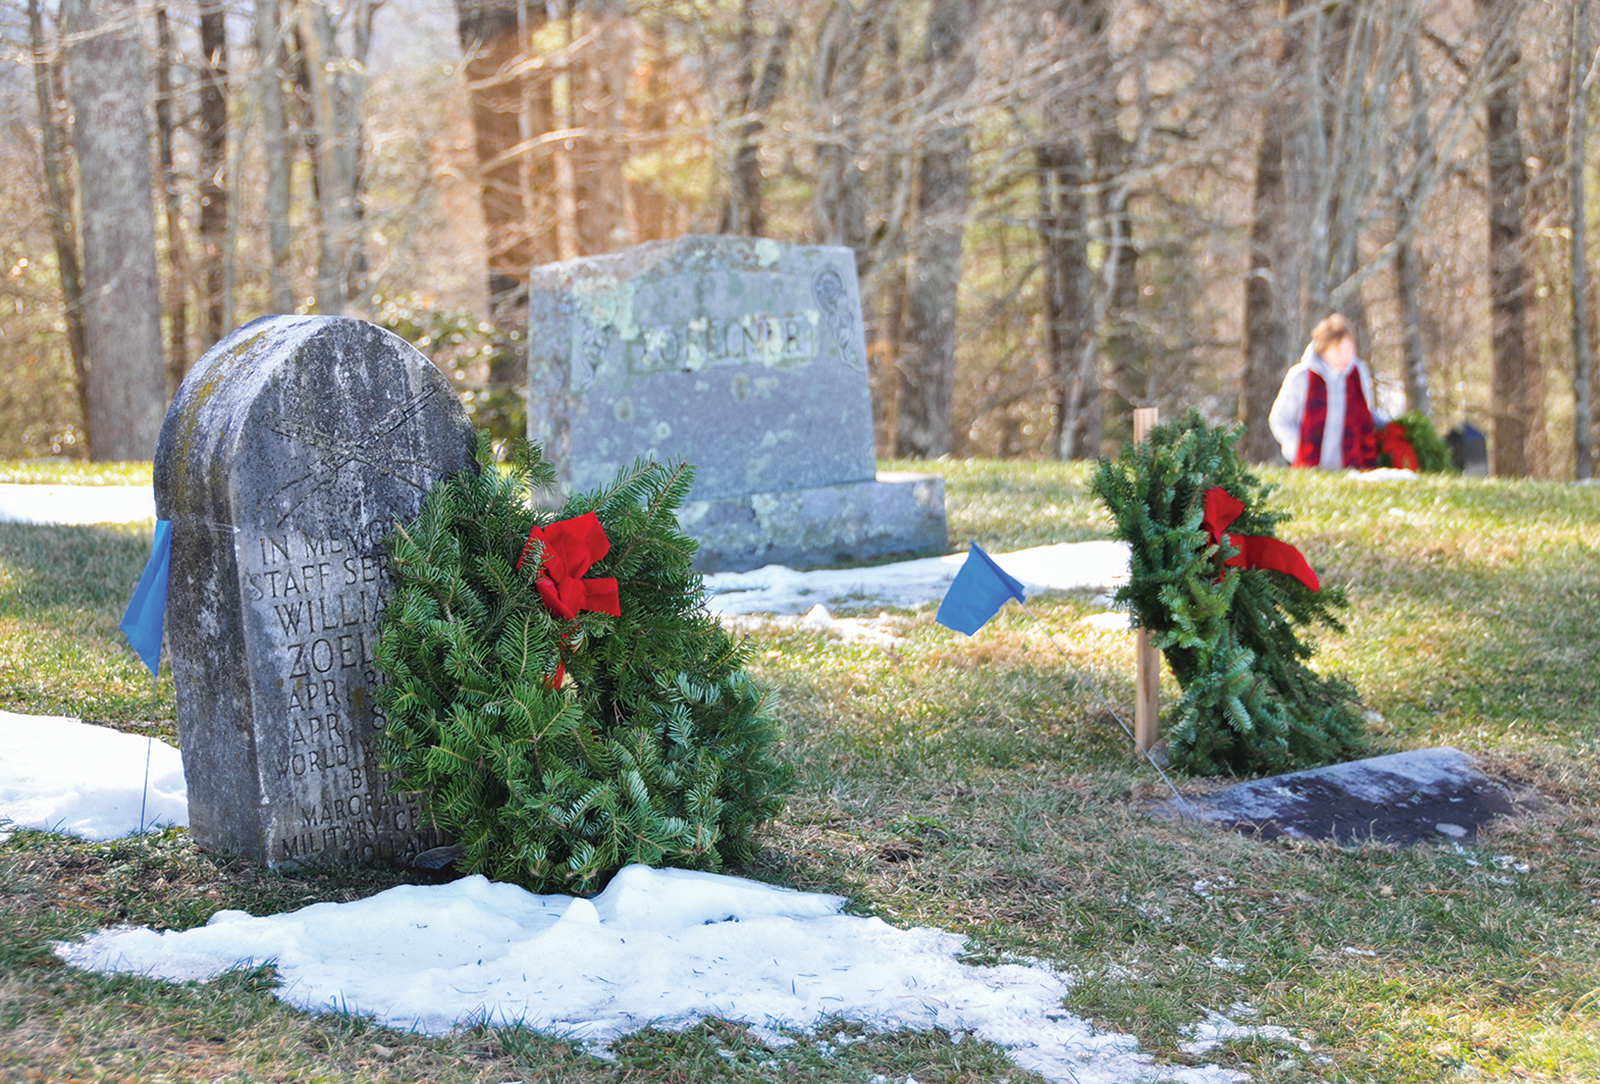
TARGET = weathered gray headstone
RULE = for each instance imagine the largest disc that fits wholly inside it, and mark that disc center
(288, 454)
(745, 357)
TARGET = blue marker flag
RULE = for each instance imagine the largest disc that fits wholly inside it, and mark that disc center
(147, 610)
(979, 590)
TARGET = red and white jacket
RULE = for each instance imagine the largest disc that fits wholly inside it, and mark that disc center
(1326, 420)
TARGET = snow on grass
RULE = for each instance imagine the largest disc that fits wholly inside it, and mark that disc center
(73, 505)
(63, 775)
(657, 947)
(776, 589)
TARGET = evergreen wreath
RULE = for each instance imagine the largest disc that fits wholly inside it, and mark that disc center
(1433, 454)
(1230, 634)
(557, 749)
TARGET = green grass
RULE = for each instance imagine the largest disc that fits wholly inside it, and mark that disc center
(73, 472)
(978, 785)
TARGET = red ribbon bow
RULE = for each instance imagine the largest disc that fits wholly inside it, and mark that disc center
(1255, 551)
(571, 547)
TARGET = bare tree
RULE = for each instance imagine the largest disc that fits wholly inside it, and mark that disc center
(1513, 364)
(492, 33)
(1062, 170)
(172, 203)
(1408, 275)
(839, 209)
(214, 182)
(277, 147)
(743, 212)
(122, 287)
(1577, 160)
(1268, 299)
(334, 84)
(927, 364)
(59, 185)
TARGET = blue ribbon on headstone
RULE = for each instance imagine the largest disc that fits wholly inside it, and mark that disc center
(977, 593)
(147, 610)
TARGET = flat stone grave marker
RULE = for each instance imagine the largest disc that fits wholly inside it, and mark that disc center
(288, 454)
(745, 357)
(1423, 795)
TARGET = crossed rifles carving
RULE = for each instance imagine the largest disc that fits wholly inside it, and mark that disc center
(334, 453)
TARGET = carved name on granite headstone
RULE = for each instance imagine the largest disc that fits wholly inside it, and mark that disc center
(746, 358)
(288, 454)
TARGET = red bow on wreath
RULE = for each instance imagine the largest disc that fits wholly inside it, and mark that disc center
(571, 547)
(1255, 551)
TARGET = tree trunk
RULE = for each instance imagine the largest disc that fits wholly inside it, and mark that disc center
(1408, 275)
(839, 210)
(335, 178)
(927, 365)
(743, 213)
(564, 155)
(1129, 373)
(58, 183)
(605, 66)
(1271, 290)
(122, 286)
(277, 151)
(213, 165)
(177, 250)
(517, 238)
(1513, 365)
(1266, 331)
(1062, 171)
(1413, 341)
(1577, 155)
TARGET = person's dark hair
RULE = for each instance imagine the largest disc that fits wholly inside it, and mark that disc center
(1331, 330)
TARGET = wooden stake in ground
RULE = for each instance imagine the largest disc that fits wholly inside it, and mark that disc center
(1147, 678)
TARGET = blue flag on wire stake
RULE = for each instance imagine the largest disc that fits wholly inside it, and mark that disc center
(978, 592)
(147, 610)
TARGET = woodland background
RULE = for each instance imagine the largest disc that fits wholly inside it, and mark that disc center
(1060, 209)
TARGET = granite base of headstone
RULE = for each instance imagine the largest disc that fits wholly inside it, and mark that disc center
(290, 451)
(746, 358)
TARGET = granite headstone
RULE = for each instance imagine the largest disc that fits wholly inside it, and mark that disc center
(288, 454)
(745, 357)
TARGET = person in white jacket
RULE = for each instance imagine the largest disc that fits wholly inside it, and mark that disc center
(1324, 415)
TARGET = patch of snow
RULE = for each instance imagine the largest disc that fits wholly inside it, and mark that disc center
(1217, 1029)
(1382, 474)
(870, 630)
(63, 775)
(1206, 888)
(1222, 963)
(75, 505)
(781, 590)
(1114, 621)
(670, 947)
